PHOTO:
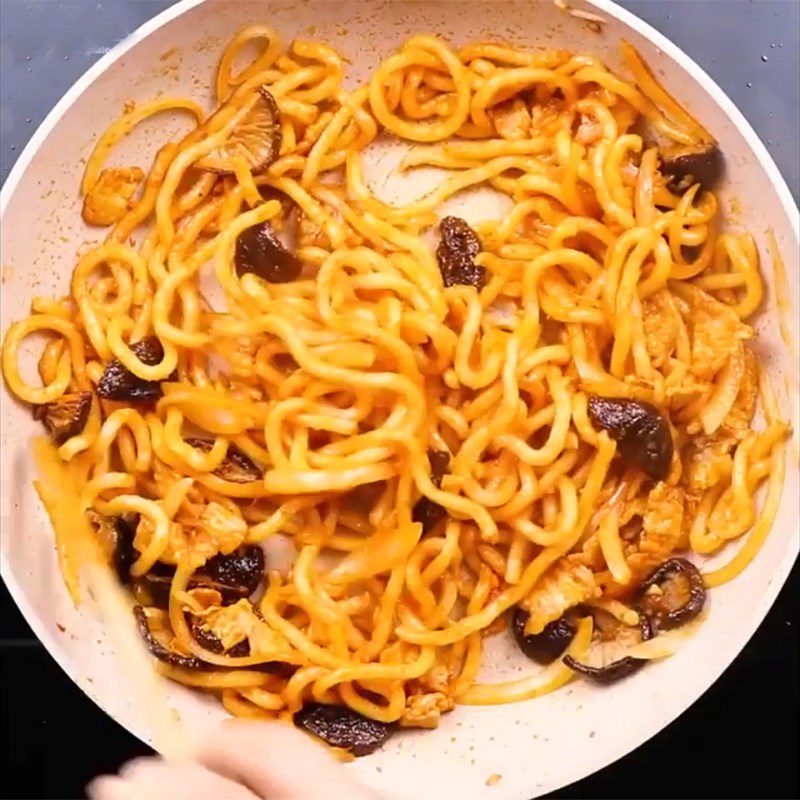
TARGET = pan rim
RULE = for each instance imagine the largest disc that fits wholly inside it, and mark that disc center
(753, 616)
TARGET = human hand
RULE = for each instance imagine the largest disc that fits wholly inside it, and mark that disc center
(242, 760)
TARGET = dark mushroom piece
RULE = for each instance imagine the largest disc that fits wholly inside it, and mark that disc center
(279, 668)
(425, 510)
(243, 569)
(547, 646)
(260, 251)
(65, 417)
(155, 585)
(685, 165)
(642, 434)
(234, 576)
(256, 138)
(118, 383)
(456, 254)
(236, 467)
(271, 118)
(681, 594)
(117, 534)
(158, 650)
(156, 589)
(621, 667)
(210, 641)
(124, 552)
(340, 726)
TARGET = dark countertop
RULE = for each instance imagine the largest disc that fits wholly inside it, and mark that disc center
(739, 740)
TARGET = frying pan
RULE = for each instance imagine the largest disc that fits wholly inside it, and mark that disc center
(511, 751)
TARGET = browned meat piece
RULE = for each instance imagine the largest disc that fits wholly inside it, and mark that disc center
(110, 198)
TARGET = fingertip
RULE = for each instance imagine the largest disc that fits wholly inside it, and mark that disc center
(138, 765)
(277, 760)
(111, 787)
(156, 779)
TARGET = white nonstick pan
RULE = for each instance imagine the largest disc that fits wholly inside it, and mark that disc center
(510, 751)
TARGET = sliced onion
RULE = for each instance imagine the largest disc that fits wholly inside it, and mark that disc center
(724, 396)
(503, 314)
(621, 667)
(381, 552)
(210, 410)
(656, 93)
(599, 382)
(663, 645)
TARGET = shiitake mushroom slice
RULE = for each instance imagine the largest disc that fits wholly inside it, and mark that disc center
(158, 650)
(205, 638)
(642, 434)
(65, 417)
(684, 165)
(158, 587)
(621, 667)
(259, 250)
(547, 646)
(236, 466)
(235, 576)
(210, 641)
(256, 139)
(243, 568)
(124, 552)
(425, 510)
(116, 534)
(456, 254)
(118, 383)
(340, 726)
(680, 597)
(550, 644)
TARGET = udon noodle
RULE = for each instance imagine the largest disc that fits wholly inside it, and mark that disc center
(429, 451)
